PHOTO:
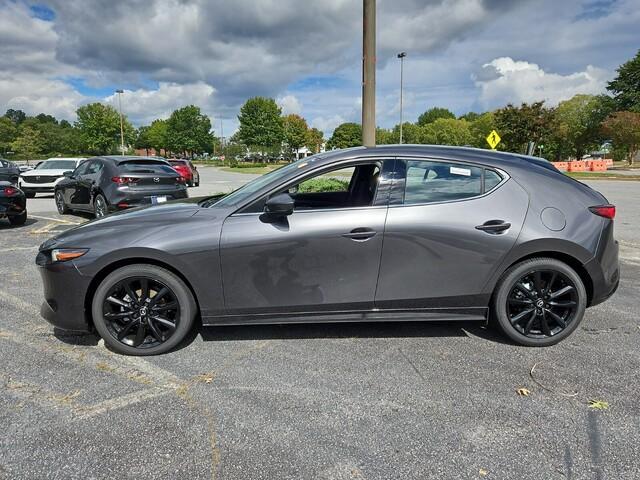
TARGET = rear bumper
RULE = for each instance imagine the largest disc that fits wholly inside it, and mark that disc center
(64, 293)
(12, 206)
(131, 198)
(604, 268)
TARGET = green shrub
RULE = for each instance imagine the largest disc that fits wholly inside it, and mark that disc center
(323, 185)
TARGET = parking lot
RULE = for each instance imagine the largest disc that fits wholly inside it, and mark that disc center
(344, 401)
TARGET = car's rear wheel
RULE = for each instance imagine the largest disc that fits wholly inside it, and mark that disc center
(539, 302)
(143, 310)
(60, 205)
(100, 208)
(18, 219)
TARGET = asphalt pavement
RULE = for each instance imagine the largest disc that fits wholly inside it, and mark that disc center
(361, 401)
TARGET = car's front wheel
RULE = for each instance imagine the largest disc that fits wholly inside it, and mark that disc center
(143, 310)
(539, 302)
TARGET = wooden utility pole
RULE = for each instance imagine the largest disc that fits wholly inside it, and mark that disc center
(369, 74)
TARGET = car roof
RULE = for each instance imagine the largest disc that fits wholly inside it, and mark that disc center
(494, 158)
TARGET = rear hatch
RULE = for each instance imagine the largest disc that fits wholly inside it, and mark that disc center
(147, 174)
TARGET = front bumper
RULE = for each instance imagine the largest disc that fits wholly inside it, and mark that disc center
(25, 186)
(65, 289)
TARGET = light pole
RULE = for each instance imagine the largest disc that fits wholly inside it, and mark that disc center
(120, 92)
(401, 56)
(369, 73)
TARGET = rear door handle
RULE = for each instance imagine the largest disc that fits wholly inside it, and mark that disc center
(494, 226)
(361, 234)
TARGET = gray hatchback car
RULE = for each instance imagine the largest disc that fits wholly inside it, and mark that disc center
(393, 233)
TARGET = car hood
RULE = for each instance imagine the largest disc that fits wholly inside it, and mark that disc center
(125, 227)
(49, 172)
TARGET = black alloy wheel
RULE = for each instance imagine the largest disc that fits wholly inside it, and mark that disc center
(143, 310)
(542, 303)
(539, 302)
(100, 208)
(60, 205)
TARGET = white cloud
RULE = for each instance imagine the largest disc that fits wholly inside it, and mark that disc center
(144, 105)
(289, 104)
(505, 80)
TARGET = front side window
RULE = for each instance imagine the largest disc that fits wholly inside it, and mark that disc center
(94, 167)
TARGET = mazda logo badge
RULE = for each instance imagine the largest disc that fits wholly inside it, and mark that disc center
(156, 179)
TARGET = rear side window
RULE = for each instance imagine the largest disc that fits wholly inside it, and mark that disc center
(432, 182)
(145, 167)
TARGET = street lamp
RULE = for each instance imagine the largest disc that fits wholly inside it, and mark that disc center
(401, 56)
(120, 92)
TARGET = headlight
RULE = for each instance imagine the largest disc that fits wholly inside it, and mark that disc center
(66, 254)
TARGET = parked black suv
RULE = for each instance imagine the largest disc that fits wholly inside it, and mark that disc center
(101, 185)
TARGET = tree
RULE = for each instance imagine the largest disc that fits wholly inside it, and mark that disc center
(346, 135)
(626, 86)
(469, 116)
(411, 134)
(8, 134)
(142, 139)
(157, 135)
(260, 124)
(189, 130)
(480, 128)
(434, 114)
(98, 127)
(314, 141)
(624, 130)
(16, 116)
(295, 132)
(577, 125)
(518, 126)
(384, 136)
(447, 131)
(29, 143)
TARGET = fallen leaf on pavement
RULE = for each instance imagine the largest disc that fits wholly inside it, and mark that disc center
(523, 392)
(598, 404)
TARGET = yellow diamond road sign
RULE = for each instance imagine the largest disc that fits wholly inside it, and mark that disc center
(493, 139)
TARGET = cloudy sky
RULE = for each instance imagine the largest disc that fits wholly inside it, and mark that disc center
(462, 54)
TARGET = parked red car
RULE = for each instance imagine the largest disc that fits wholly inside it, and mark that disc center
(187, 170)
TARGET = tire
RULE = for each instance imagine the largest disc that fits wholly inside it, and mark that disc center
(18, 219)
(522, 310)
(100, 206)
(60, 204)
(157, 278)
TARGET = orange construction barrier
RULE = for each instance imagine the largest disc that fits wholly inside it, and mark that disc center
(608, 161)
(598, 166)
(562, 166)
(577, 166)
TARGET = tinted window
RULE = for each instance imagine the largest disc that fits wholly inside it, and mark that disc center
(491, 180)
(82, 169)
(3, 164)
(94, 167)
(145, 167)
(429, 182)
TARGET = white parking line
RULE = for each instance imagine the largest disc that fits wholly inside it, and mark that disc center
(59, 220)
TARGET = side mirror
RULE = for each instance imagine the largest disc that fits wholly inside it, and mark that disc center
(68, 174)
(280, 205)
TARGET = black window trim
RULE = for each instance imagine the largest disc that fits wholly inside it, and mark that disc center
(402, 181)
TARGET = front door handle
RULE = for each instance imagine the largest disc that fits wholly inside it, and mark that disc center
(361, 234)
(494, 226)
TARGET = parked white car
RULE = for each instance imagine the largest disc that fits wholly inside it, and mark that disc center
(46, 175)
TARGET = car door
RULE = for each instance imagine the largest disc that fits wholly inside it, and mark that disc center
(325, 256)
(448, 227)
(72, 189)
(86, 183)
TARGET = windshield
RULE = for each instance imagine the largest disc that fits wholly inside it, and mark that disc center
(57, 165)
(245, 192)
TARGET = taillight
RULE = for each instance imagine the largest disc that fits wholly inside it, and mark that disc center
(9, 191)
(124, 180)
(181, 180)
(606, 211)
